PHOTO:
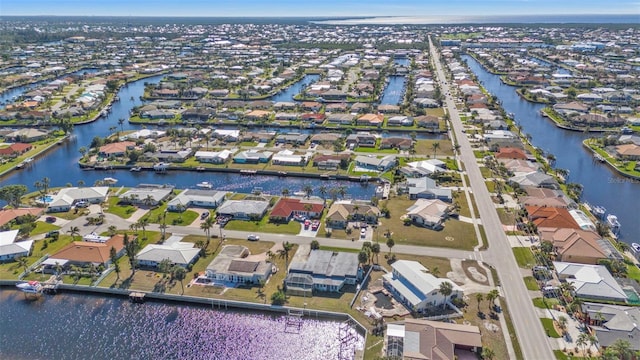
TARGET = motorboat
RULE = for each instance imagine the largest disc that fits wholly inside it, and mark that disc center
(635, 247)
(135, 169)
(110, 180)
(204, 185)
(598, 211)
(30, 287)
(613, 223)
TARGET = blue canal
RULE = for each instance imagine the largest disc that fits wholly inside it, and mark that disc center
(602, 185)
(80, 326)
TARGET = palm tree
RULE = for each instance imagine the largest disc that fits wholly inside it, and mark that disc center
(435, 146)
(582, 341)
(479, 298)
(562, 324)
(375, 249)
(121, 123)
(131, 247)
(445, 289)
(74, 230)
(206, 226)
(363, 257)
(112, 230)
(323, 192)
(22, 261)
(142, 224)
(113, 256)
(390, 244)
(285, 192)
(284, 253)
(492, 296)
(179, 273)
(308, 190)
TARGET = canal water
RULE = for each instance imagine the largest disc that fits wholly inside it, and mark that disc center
(61, 165)
(293, 90)
(602, 185)
(81, 326)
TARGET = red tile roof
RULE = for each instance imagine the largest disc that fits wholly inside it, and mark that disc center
(551, 217)
(286, 206)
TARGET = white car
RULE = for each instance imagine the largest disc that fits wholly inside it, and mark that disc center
(253, 237)
(363, 233)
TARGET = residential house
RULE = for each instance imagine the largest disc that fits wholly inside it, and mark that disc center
(429, 213)
(423, 168)
(371, 163)
(416, 288)
(551, 217)
(146, 194)
(258, 115)
(542, 197)
(10, 249)
(511, 153)
(26, 135)
(590, 281)
(199, 198)
(289, 158)
(535, 178)
(425, 339)
(578, 246)
(316, 118)
(425, 188)
(214, 157)
(502, 138)
(172, 249)
(252, 157)
(286, 208)
(325, 138)
(198, 114)
(68, 197)
(400, 120)
(117, 149)
(15, 149)
(361, 139)
(330, 162)
(323, 270)
(243, 209)
(342, 119)
(388, 109)
(370, 120)
(8, 215)
(234, 265)
(292, 138)
(399, 143)
(628, 152)
(613, 322)
(344, 211)
(82, 253)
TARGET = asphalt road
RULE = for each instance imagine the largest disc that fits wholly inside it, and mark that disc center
(529, 331)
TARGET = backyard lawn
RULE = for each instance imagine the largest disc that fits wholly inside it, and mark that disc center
(531, 283)
(524, 257)
(123, 211)
(547, 324)
(291, 228)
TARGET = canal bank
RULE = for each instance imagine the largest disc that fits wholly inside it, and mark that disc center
(602, 186)
(101, 322)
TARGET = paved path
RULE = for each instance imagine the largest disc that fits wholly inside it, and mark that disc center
(533, 341)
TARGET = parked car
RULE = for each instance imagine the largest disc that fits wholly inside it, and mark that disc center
(306, 224)
(53, 233)
(82, 204)
(50, 219)
(363, 233)
(315, 225)
(253, 237)
(204, 215)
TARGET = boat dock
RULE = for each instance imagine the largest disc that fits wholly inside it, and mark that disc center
(137, 297)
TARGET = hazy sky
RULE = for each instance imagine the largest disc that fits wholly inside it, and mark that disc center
(210, 8)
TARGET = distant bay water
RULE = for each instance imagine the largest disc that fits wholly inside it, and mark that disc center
(493, 19)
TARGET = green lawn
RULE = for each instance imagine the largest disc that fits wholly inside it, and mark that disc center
(292, 228)
(123, 211)
(633, 272)
(531, 283)
(172, 218)
(43, 228)
(545, 303)
(524, 257)
(547, 324)
(338, 249)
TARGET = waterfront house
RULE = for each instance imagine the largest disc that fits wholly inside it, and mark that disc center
(235, 265)
(171, 155)
(199, 198)
(330, 162)
(425, 339)
(399, 143)
(344, 211)
(426, 102)
(157, 114)
(542, 197)
(252, 157)
(429, 213)
(244, 209)
(65, 198)
(613, 322)
(502, 138)
(341, 119)
(628, 152)
(325, 138)
(597, 120)
(323, 271)
(423, 168)
(590, 281)
(172, 249)
(388, 109)
(15, 149)
(371, 163)
(8, 215)
(417, 289)
(26, 135)
(292, 138)
(117, 149)
(287, 116)
(83, 253)
(289, 158)
(10, 249)
(551, 217)
(146, 194)
(316, 118)
(424, 188)
(312, 106)
(198, 114)
(511, 153)
(400, 120)
(363, 139)
(334, 95)
(578, 246)
(370, 120)
(519, 167)
(535, 178)
(286, 208)
(214, 157)
(258, 115)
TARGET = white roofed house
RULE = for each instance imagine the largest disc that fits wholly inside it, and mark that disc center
(214, 157)
(244, 209)
(289, 158)
(323, 270)
(234, 265)
(177, 252)
(370, 163)
(429, 213)
(146, 194)
(67, 197)
(196, 198)
(425, 188)
(416, 288)
(10, 249)
(591, 281)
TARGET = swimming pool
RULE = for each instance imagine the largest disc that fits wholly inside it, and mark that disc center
(45, 199)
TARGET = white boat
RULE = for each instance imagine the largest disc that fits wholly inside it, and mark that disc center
(160, 167)
(30, 287)
(204, 185)
(28, 160)
(136, 169)
(598, 211)
(635, 247)
(613, 223)
(110, 180)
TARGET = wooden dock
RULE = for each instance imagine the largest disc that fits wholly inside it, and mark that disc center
(137, 297)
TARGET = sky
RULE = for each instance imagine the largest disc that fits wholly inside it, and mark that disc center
(305, 8)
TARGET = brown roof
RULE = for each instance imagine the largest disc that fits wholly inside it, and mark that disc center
(438, 340)
(628, 150)
(90, 252)
(8, 215)
(551, 217)
(117, 147)
(573, 243)
(511, 153)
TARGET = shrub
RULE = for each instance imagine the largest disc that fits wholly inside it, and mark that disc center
(278, 298)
